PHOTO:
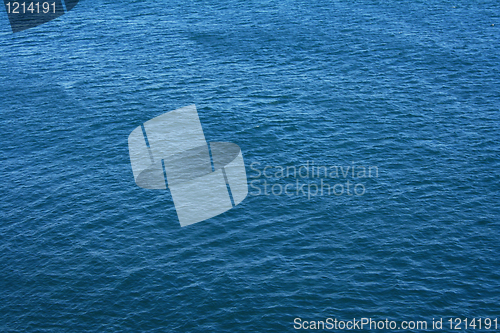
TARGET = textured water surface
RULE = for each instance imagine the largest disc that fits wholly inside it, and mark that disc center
(410, 87)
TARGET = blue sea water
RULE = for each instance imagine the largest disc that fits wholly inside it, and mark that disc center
(409, 87)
